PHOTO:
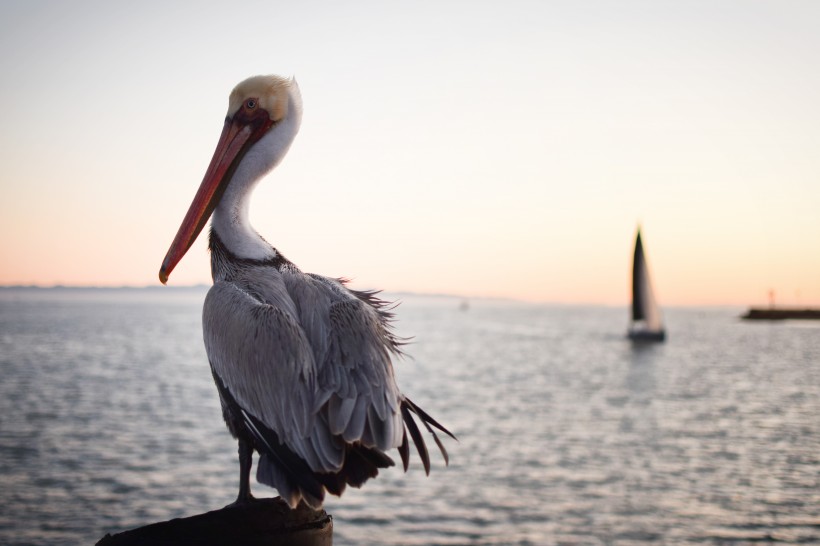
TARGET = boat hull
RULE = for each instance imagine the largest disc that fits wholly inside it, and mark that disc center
(647, 335)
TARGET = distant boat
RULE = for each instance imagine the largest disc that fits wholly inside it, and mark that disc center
(647, 323)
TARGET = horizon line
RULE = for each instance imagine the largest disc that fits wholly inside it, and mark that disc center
(201, 286)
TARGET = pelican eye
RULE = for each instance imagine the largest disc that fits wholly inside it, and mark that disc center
(250, 104)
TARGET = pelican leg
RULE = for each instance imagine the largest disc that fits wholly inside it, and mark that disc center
(245, 460)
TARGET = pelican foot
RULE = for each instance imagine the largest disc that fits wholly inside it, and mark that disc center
(243, 500)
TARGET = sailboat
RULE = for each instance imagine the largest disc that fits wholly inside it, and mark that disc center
(647, 323)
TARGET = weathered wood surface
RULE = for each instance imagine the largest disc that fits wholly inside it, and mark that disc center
(267, 522)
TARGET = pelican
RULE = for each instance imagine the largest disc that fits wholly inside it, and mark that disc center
(302, 363)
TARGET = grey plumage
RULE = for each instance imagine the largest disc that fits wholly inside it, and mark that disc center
(310, 360)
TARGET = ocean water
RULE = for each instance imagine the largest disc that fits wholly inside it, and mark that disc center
(568, 434)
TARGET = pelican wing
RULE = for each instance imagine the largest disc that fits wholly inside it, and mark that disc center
(306, 362)
(351, 341)
(260, 355)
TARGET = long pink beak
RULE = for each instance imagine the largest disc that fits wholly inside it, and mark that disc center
(231, 143)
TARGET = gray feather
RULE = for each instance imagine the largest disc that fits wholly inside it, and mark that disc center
(340, 410)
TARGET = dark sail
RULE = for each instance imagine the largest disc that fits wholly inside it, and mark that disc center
(638, 282)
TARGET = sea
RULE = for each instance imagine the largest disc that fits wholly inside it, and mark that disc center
(568, 434)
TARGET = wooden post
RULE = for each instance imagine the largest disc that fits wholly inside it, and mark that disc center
(268, 522)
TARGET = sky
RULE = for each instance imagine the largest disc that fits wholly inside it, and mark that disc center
(485, 149)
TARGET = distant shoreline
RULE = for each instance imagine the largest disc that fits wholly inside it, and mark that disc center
(783, 313)
(390, 294)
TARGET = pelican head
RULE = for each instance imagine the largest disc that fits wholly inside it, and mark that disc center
(264, 114)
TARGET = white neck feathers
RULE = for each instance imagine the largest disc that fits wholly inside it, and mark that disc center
(231, 219)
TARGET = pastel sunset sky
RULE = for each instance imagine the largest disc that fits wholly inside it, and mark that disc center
(470, 147)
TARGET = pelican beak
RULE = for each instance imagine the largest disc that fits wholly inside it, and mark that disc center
(231, 147)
